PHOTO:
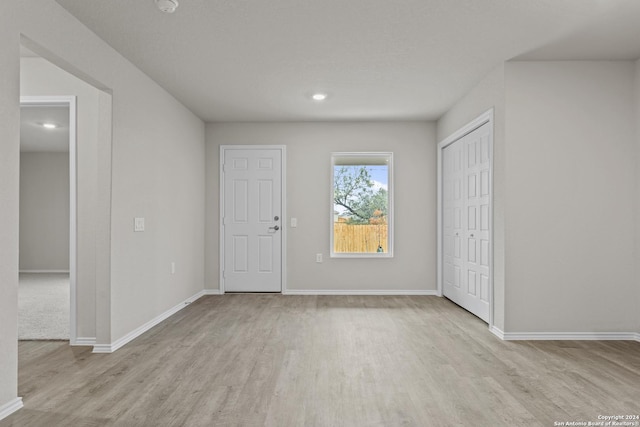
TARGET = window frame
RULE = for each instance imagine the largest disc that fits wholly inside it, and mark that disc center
(388, 155)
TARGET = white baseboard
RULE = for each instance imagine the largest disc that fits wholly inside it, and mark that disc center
(212, 292)
(44, 271)
(389, 292)
(11, 407)
(497, 332)
(84, 341)
(565, 336)
(110, 348)
(104, 348)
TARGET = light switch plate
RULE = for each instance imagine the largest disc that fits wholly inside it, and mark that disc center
(294, 222)
(138, 224)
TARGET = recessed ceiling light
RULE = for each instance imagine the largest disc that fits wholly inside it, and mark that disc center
(49, 125)
(319, 96)
(167, 6)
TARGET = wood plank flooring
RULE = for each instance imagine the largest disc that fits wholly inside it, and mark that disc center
(273, 360)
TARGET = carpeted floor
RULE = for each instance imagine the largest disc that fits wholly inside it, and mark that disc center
(43, 306)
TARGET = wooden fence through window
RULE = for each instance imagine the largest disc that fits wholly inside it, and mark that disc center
(360, 238)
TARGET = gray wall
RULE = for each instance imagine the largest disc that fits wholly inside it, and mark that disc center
(9, 198)
(308, 191)
(156, 160)
(565, 181)
(487, 94)
(157, 172)
(571, 180)
(44, 211)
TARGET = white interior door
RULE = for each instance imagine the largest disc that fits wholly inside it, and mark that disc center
(252, 220)
(453, 205)
(466, 224)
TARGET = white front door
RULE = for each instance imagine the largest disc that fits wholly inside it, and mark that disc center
(252, 221)
(466, 233)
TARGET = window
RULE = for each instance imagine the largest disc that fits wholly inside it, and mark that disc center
(362, 205)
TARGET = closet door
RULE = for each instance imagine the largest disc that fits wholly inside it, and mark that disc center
(453, 206)
(466, 260)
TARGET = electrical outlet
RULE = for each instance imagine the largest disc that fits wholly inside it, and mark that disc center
(318, 257)
(138, 224)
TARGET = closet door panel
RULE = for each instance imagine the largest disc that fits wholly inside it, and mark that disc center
(453, 221)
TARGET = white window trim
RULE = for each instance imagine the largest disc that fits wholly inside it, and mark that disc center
(390, 216)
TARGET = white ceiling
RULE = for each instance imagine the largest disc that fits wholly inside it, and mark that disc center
(34, 137)
(257, 60)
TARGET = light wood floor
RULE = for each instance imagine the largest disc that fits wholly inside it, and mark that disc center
(254, 360)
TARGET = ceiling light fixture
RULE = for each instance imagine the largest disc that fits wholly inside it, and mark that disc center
(49, 125)
(167, 6)
(319, 96)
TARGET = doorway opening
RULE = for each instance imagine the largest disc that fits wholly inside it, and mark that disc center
(47, 281)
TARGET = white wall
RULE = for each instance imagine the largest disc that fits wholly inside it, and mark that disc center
(38, 77)
(309, 146)
(487, 94)
(9, 199)
(44, 211)
(571, 180)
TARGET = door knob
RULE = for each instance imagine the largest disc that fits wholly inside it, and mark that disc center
(274, 228)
